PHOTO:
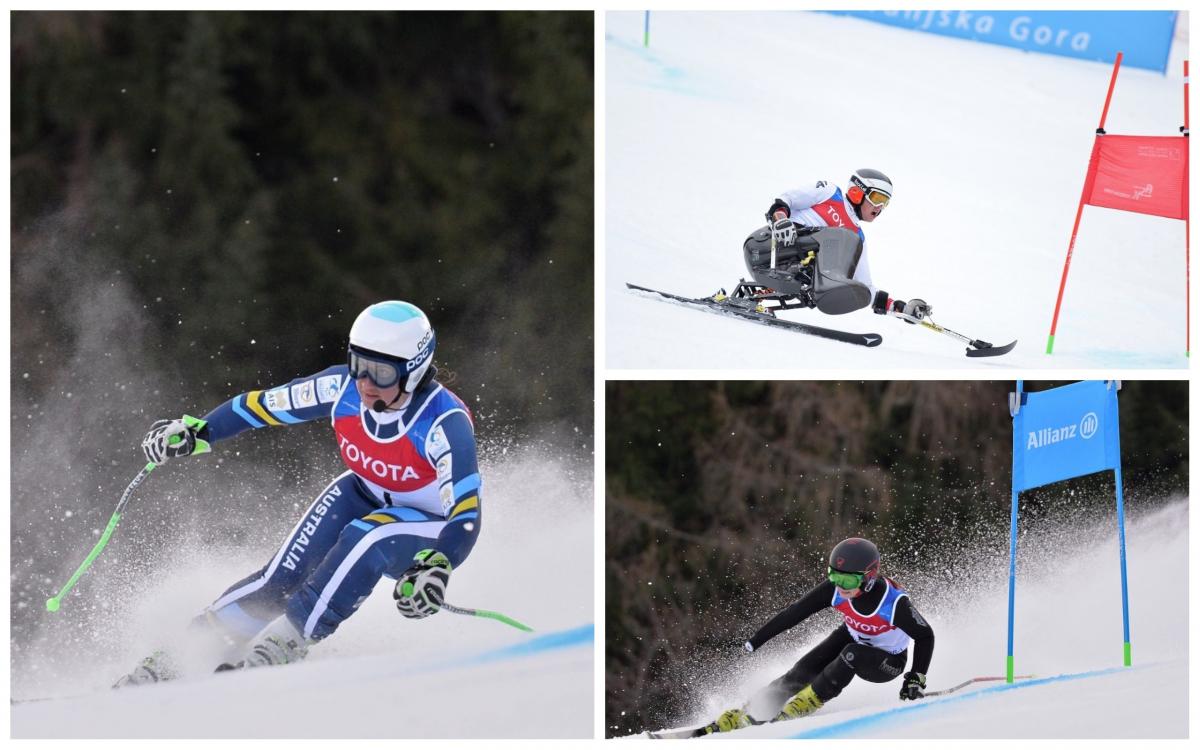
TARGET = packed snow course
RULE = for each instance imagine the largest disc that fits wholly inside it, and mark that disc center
(987, 147)
(1068, 636)
(380, 675)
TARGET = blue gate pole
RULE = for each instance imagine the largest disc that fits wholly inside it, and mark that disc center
(1115, 445)
(1124, 577)
(646, 31)
(1012, 585)
(1014, 408)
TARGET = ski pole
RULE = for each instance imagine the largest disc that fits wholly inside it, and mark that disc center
(490, 615)
(202, 446)
(52, 603)
(927, 323)
(973, 680)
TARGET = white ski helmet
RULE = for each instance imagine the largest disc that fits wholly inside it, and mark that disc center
(871, 184)
(398, 332)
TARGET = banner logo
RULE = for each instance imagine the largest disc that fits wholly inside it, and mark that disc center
(1088, 425)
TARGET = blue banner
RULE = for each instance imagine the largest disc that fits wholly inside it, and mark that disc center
(1058, 434)
(1065, 432)
(1143, 35)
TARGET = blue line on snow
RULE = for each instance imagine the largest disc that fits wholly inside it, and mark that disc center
(844, 728)
(582, 635)
(549, 642)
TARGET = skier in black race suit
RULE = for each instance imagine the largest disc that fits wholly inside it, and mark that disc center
(872, 643)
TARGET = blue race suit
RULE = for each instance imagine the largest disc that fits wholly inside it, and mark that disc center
(412, 484)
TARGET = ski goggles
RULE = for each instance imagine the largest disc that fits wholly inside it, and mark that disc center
(877, 197)
(846, 581)
(384, 373)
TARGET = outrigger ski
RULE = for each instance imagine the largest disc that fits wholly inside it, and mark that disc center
(975, 347)
(748, 306)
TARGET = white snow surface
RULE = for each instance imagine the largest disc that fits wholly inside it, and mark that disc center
(1068, 636)
(987, 147)
(379, 675)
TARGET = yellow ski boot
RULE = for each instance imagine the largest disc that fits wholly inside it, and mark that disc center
(802, 703)
(734, 718)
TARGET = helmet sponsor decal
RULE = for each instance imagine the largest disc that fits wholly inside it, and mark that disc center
(424, 349)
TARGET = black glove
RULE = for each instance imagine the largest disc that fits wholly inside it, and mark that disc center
(173, 438)
(778, 205)
(421, 590)
(913, 687)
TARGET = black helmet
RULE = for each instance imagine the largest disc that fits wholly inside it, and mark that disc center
(856, 555)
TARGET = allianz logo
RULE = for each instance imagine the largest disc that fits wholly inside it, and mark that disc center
(1050, 435)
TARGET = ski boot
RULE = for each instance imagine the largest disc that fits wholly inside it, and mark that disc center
(277, 643)
(734, 718)
(802, 703)
(157, 667)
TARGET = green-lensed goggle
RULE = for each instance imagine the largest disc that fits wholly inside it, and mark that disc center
(846, 581)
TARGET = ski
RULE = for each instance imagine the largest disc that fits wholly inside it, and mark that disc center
(689, 732)
(676, 734)
(726, 308)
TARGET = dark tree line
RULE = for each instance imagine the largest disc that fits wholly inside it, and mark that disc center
(227, 190)
(722, 500)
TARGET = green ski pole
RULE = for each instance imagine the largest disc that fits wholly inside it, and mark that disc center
(202, 446)
(490, 615)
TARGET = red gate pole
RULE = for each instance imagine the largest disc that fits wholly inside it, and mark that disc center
(1079, 213)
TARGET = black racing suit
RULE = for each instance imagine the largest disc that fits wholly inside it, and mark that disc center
(832, 663)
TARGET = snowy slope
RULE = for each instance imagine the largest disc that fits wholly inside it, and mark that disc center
(380, 675)
(987, 147)
(1068, 635)
(370, 696)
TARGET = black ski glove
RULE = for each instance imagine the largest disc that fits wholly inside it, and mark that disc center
(174, 438)
(913, 687)
(421, 590)
(778, 205)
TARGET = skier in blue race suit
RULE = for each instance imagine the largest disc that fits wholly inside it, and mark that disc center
(407, 507)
